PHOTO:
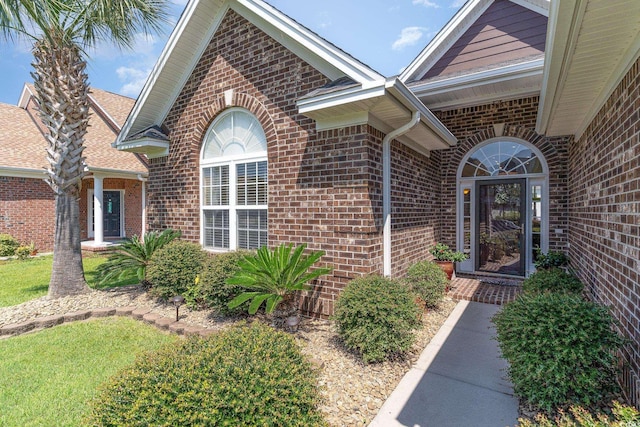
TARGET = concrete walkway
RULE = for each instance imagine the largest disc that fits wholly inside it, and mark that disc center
(459, 380)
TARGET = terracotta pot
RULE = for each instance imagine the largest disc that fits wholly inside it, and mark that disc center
(447, 267)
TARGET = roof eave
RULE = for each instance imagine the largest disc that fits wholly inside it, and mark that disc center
(152, 148)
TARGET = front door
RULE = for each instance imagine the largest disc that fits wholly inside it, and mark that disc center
(500, 238)
(111, 213)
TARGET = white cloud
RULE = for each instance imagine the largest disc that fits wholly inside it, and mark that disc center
(426, 3)
(458, 3)
(133, 78)
(408, 37)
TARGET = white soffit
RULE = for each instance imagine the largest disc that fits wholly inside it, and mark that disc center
(591, 44)
(191, 36)
(387, 106)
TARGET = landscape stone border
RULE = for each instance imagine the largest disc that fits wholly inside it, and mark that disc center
(143, 314)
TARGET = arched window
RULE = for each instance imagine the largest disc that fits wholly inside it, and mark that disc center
(501, 158)
(233, 181)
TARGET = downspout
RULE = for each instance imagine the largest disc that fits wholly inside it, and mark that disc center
(144, 205)
(386, 189)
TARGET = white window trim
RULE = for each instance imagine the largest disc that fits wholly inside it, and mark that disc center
(90, 232)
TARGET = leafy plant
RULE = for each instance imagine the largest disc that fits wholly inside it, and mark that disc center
(174, 267)
(376, 317)
(8, 245)
(246, 376)
(552, 259)
(622, 416)
(553, 280)
(561, 350)
(212, 290)
(23, 252)
(274, 277)
(442, 252)
(132, 257)
(428, 281)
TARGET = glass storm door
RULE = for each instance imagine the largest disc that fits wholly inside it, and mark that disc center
(111, 213)
(500, 237)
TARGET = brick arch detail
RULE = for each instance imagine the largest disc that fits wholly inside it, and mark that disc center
(526, 134)
(242, 100)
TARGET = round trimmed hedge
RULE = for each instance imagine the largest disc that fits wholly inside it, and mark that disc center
(174, 267)
(244, 376)
(428, 281)
(376, 317)
(552, 280)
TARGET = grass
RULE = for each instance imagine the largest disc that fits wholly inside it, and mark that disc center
(22, 281)
(48, 377)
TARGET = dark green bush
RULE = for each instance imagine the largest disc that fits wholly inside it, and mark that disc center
(8, 245)
(561, 350)
(173, 268)
(248, 376)
(555, 280)
(428, 281)
(376, 317)
(622, 416)
(551, 259)
(212, 291)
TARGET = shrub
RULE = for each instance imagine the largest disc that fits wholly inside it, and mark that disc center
(212, 291)
(428, 281)
(442, 252)
(554, 279)
(561, 350)
(174, 267)
(623, 416)
(275, 277)
(376, 317)
(132, 257)
(8, 245)
(246, 376)
(552, 259)
(23, 252)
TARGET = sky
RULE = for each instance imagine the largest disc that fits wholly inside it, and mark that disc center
(384, 34)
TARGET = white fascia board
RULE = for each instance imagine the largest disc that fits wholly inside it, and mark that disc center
(482, 99)
(23, 172)
(25, 95)
(151, 147)
(334, 99)
(627, 61)
(565, 19)
(449, 34)
(481, 78)
(175, 36)
(398, 89)
(311, 41)
(538, 6)
(117, 173)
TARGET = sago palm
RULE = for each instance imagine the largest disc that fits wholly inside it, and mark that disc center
(131, 257)
(61, 32)
(275, 277)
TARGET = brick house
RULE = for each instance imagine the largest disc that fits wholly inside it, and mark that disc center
(515, 130)
(112, 197)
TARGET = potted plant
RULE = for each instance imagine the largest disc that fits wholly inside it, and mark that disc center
(445, 257)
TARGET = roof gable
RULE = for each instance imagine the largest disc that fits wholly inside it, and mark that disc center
(193, 33)
(482, 34)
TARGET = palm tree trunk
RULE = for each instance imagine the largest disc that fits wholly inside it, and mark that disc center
(61, 84)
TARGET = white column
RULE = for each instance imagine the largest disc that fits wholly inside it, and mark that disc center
(98, 225)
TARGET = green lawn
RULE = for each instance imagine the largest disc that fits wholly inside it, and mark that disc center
(22, 281)
(47, 378)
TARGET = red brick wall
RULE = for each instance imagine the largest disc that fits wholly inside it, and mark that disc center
(604, 214)
(324, 188)
(27, 211)
(474, 125)
(132, 204)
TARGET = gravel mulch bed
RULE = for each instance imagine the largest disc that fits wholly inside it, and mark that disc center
(352, 391)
